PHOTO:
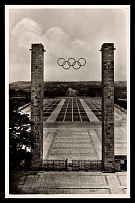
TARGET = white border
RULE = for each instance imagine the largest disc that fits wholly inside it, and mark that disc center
(6, 102)
(7, 7)
(67, 6)
(128, 101)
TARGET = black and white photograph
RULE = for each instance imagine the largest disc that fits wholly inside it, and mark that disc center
(67, 90)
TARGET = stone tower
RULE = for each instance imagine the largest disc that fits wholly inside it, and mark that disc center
(37, 67)
(108, 106)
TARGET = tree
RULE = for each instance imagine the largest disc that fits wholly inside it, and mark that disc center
(20, 137)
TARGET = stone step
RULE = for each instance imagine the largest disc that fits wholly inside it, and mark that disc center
(71, 150)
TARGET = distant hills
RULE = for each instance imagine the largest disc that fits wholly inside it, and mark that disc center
(26, 85)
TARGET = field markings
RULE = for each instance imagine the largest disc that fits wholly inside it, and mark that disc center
(79, 111)
(72, 109)
(65, 111)
(56, 111)
(97, 142)
(90, 102)
(88, 111)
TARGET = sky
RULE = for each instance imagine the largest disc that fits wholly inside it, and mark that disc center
(75, 32)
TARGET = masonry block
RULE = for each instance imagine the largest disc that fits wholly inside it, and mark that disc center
(37, 69)
(108, 107)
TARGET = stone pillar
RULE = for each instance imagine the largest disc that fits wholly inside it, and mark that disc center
(37, 67)
(108, 107)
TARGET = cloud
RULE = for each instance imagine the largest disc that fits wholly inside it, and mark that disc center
(25, 25)
(26, 32)
(80, 44)
(56, 41)
(57, 34)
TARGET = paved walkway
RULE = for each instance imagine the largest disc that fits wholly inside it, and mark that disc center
(88, 183)
(80, 143)
(72, 143)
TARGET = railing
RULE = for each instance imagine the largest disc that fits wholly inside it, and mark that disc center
(87, 165)
(53, 165)
(75, 165)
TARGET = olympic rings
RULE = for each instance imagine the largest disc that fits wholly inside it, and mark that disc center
(71, 62)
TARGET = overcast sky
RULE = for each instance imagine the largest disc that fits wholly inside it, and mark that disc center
(67, 32)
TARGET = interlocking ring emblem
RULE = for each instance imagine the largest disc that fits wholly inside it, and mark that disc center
(71, 62)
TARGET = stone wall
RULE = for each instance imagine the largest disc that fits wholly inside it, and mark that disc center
(108, 107)
(37, 67)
